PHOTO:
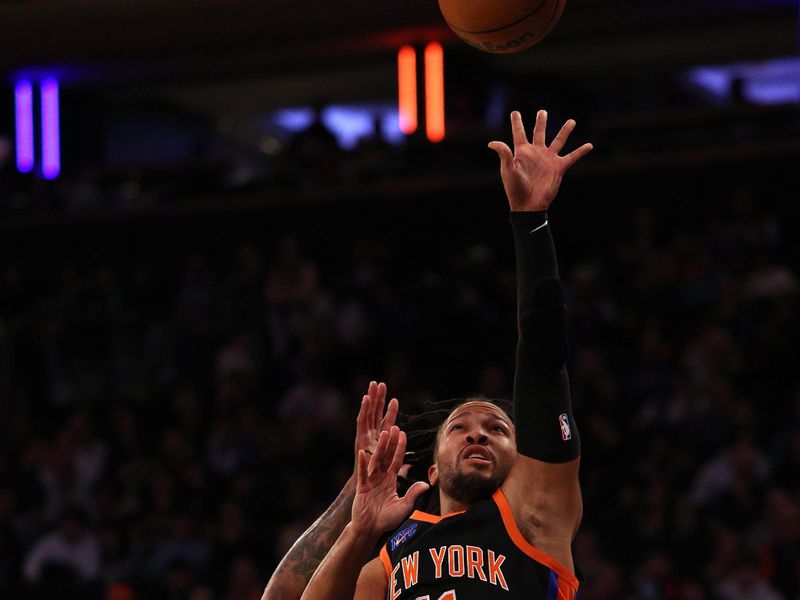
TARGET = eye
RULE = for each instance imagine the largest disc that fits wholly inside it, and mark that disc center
(500, 428)
(456, 426)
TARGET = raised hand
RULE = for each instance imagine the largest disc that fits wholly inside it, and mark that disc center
(371, 420)
(532, 173)
(376, 506)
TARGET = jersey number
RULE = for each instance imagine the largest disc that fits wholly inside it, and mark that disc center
(451, 595)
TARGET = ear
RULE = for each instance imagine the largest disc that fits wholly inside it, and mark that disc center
(433, 475)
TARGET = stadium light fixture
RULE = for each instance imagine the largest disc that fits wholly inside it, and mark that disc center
(51, 134)
(434, 92)
(407, 88)
(23, 108)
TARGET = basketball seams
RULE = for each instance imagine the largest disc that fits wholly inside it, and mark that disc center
(506, 26)
(558, 9)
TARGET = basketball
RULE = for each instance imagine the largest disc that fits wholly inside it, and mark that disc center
(502, 26)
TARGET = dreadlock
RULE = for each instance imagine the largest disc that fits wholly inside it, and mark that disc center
(422, 432)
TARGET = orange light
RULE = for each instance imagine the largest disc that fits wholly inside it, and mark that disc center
(434, 92)
(407, 89)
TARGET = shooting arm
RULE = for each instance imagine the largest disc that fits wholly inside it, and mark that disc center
(542, 407)
(543, 487)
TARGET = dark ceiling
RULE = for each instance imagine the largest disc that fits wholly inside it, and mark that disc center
(231, 60)
(174, 39)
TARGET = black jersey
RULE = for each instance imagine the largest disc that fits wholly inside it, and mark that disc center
(478, 554)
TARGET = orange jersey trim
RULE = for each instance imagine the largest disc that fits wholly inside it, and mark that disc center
(566, 592)
(386, 561)
(520, 542)
(418, 515)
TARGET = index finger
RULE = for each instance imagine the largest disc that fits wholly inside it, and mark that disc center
(518, 130)
(378, 457)
(399, 454)
(389, 453)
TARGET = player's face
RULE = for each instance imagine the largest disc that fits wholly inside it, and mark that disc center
(476, 450)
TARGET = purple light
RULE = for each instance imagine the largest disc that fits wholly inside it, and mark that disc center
(51, 150)
(23, 108)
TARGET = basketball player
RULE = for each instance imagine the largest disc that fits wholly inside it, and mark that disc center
(509, 497)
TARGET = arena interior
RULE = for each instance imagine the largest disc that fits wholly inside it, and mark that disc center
(226, 236)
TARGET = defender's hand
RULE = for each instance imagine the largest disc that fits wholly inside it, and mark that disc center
(376, 506)
(371, 420)
(532, 173)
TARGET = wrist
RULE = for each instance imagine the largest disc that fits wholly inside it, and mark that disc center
(521, 213)
(360, 539)
(526, 220)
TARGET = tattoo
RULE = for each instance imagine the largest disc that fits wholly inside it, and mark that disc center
(311, 548)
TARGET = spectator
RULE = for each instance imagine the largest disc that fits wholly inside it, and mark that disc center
(72, 547)
(746, 583)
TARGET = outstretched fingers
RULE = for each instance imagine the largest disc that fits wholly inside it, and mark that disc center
(388, 453)
(379, 455)
(504, 152)
(518, 131)
(558, 143)
(399, 454)
(390, 417)
(540, 128)
(574, 156)
(379, 399)
(371, 393)
(363, 416)
(362, 472)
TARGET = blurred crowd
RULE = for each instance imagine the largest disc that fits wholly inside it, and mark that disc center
(209, 164)
(169, 428)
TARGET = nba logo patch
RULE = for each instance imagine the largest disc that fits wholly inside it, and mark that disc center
(566, 432)
(402, 535)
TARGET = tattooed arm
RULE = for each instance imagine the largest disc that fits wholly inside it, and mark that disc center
(295, 570)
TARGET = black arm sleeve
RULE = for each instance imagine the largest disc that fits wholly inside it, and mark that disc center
(542, 408)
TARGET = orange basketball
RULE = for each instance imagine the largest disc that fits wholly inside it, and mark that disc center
(502, 26)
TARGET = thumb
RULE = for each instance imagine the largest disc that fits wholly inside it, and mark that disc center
(414, 492)
(502, 149)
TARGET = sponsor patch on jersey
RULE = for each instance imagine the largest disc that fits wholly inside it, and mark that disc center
(402, 535)
(566, 431)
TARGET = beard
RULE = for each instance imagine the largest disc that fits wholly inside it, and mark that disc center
(469, 488)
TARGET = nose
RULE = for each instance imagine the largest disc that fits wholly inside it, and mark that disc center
(477, 437)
